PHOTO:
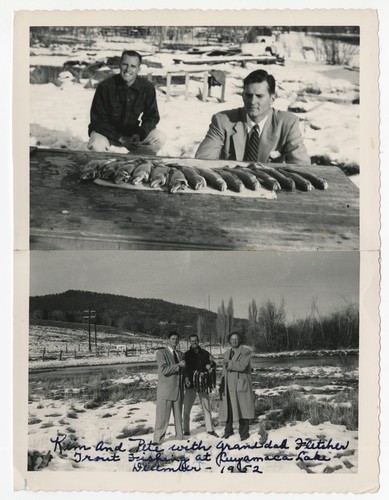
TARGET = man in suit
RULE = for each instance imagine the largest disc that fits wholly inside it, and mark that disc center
(257, 132)
(170, 388)
(237, 405)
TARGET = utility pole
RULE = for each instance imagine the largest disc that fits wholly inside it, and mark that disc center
(91, 315)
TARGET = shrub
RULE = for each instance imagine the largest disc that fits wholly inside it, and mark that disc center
(136, 431)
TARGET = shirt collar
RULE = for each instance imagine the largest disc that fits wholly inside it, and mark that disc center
(250, 124)
(136, 85)
(170, 349)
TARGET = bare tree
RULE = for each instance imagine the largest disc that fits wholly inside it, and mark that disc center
(272, 324)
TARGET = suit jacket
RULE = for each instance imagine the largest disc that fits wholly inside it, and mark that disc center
(226, 138)
(170, 375)
(237, 381)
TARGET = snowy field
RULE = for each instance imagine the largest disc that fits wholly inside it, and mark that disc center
(80, 418)
(322, 96)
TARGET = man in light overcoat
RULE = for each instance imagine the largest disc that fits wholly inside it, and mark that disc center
(237, 405)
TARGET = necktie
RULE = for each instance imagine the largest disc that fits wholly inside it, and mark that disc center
(175, 356)
(252, 148)
(232, 353)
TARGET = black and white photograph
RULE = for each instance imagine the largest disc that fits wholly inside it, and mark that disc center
(234, 362)
(196, 251)
(194, 137)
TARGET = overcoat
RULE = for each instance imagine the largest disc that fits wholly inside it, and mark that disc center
(237, 381)
(170, 375)
(281, 138)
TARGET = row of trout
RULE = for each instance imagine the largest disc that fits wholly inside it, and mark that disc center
(176, 177)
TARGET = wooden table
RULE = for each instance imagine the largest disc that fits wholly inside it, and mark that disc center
(187, 73)
(68, 214)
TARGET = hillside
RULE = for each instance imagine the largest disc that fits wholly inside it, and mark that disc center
(152, 316)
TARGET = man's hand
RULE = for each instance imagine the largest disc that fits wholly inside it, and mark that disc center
(208, 367)
(187, 382)
(131, 143)
(182, 364)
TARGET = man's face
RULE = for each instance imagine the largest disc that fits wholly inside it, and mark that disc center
(194, 342)
(235, 340)
(173, 341)
(129, 68)
(257, 100)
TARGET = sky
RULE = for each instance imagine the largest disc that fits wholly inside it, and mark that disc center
(191, 277)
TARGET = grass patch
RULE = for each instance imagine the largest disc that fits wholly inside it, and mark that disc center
(139, 430)
(71, 414)
(107, 415)
(53, 415)
(291, 407)
(45, 425)
(70, 430)
(34, 420)
(118, 392)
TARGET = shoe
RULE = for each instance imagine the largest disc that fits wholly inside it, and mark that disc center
(243, 438)
(227, 435)
(178, 438)
(213, 433)
(186, 433)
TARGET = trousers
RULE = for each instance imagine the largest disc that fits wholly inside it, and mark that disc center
(244, 423)
(190, 396)
(162, 417)
(149, 146)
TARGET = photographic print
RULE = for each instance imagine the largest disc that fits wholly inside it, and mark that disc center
(191, 97)
(196, 251)
(266, 374)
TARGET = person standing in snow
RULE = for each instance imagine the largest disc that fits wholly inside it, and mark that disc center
(237, 405)
(124, 111)
(200, 378)
(170, 388)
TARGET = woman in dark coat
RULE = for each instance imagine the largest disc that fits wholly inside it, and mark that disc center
(237, 394)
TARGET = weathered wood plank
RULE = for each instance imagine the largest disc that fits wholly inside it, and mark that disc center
(68, 214)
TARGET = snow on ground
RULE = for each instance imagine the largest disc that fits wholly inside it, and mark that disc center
(111, 423)
(296, 372)
(114, 407)
(59, 113)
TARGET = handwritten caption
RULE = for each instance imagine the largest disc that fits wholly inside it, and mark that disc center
(197, 456)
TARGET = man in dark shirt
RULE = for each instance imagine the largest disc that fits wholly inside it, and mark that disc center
(199, 376)
(124, 111)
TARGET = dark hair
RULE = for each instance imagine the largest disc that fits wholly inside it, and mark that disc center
(259, 76)
(173, 333)
(240, 335)
(131, 53)
(194, 335)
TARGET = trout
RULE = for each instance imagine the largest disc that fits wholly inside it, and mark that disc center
(142, 173)
(317, 182)
(232, 180)
(212, 178)
(195, 180)
(159, 175)
(177, 181)
(301, 183)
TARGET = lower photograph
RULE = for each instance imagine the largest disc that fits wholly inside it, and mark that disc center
(193, 362)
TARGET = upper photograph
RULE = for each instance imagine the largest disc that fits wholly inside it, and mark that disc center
(194, 137)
